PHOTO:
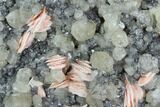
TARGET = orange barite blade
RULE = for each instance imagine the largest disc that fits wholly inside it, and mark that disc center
(37, 23)
(57, 62)
(55, 58)
(138, 93)
(84, 63)
(73, 76)
(133, 93)
(83, 66)
(63, 84)
(25, 41)
(146, 78)
(40, 22)
(47, 23)
(41, 92)
(82, 76)
(129, 95)
(54, 67)
(82, 72)
(34, 17)
(78, 88)
(125, 99)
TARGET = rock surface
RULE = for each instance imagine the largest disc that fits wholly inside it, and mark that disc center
(120, 36)
(119, 53)
(83, 30)
(24, 13)
(153, 98)
(41, 36)
(102, 61)
(119, 39)
(148, 63)
(155, 13)
(63, 42)
(4, 53)
(22, 79)
(37, 101)
(54, 75)
(13, 20)
(100, 89)
(18, 100)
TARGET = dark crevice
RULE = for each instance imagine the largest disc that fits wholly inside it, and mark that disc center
(92, 14)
